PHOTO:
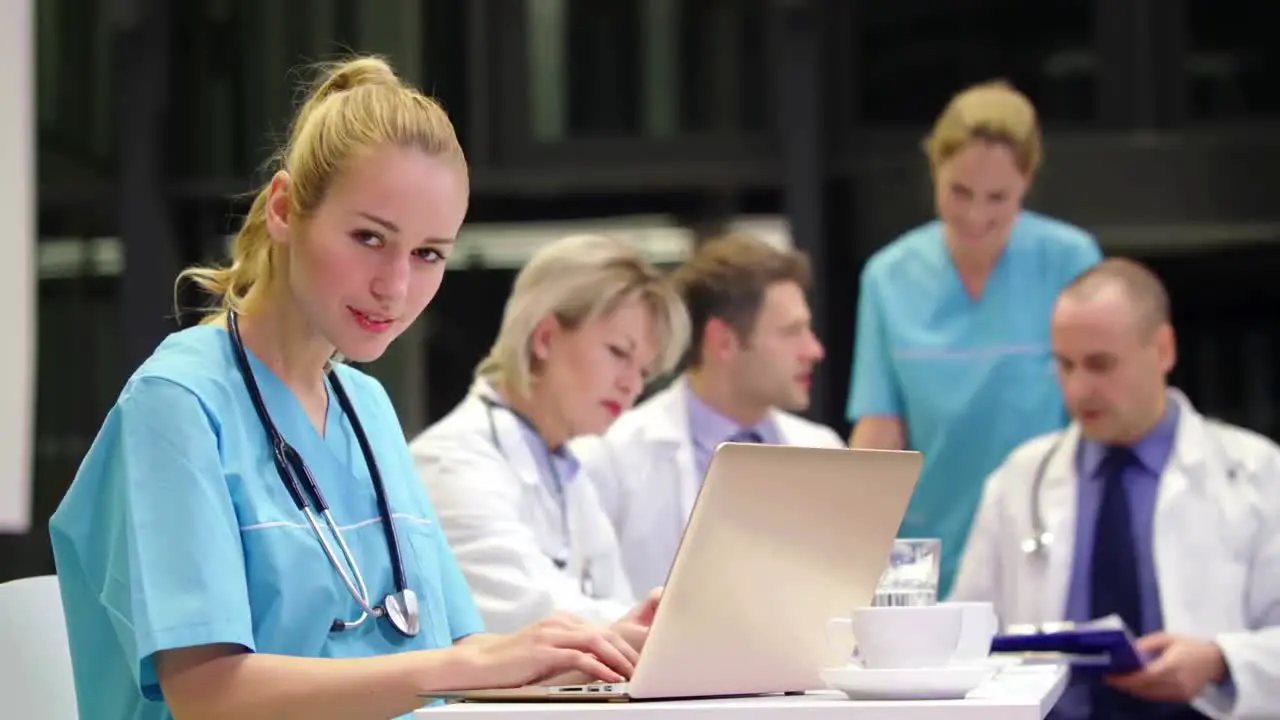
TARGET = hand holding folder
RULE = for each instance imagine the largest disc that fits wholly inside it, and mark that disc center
(1105, 645)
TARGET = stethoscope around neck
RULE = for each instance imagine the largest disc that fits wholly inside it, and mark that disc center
(1040, 539)
(400, 607)
(585, 582)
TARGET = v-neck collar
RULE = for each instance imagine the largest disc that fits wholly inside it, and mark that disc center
(994, 279)
(281, 401)
(283, 405)
(291, 421)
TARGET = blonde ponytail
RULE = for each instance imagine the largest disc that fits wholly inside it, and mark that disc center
(356, 104)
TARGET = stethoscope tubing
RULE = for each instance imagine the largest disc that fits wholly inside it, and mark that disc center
(305, 494)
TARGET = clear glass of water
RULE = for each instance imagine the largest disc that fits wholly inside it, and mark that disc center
(911, 577)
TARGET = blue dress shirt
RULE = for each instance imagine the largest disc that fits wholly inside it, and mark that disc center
(708, 429)
(1142, 482)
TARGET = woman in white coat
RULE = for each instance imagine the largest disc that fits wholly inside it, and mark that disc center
(588, 321)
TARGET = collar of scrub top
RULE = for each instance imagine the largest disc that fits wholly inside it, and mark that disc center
(708, 428)
(399, 607)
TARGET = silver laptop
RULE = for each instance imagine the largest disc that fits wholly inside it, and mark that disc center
(780, 540)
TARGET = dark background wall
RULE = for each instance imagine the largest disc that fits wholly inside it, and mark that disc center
(1161, 122)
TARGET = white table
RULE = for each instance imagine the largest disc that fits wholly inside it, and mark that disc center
(1025, 692)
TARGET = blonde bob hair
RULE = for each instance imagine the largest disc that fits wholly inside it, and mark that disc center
(355, 105)
(577, 279)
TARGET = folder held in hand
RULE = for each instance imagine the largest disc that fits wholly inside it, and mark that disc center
(1104, 646)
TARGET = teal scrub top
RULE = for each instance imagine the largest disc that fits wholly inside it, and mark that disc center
(177, 531)
(970, 380)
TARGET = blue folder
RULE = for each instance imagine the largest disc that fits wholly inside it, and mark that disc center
(1104, 646)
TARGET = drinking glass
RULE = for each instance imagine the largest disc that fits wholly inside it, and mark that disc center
(911, 577)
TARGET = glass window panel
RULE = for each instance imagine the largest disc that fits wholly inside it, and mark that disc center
(444, 71)
(75, 88)
(915, 54)
(204, 137)
(231, 69)
(77, 375)
(604, 67)
(723, 68)
(238, 65)
(651, 68)
(1232, 61)
(584, 68)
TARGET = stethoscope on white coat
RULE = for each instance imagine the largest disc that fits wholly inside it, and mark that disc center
(585, 582)
(400, 607)
(1041, 538)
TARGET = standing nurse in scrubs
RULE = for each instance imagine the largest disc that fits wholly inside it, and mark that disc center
(193, 582)
(952, 351)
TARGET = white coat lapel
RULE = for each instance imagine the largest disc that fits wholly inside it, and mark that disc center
(1180, 574)
(506, 428)
(789, 431)
(1056, 503)
(544, 511)
(671, 472)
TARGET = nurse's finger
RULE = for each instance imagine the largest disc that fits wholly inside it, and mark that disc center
(576, 624)
(563, 621)
(590, 640)
(614, 651)
(568, 659)
(628, 651)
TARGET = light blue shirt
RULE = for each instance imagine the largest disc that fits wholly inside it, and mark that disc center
(1141, 482)
(970, 380)
(178, 532)
(557, 469)
(708, 429)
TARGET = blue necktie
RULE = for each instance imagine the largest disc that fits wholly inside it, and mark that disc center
(1113, 570)
(1114, 587)
(1113, 574)
(746, 435)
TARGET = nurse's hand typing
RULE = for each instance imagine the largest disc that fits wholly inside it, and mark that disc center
(558, 647)
(634, 626)
(215, 681)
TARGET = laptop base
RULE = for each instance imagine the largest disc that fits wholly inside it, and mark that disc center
(594, 693)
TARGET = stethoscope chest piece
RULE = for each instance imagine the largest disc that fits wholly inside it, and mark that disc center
(1038, 543)
(400, 607)
(402, 611)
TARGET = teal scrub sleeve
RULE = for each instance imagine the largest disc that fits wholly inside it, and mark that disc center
(873, 385)
(460, 604)
(168, 543)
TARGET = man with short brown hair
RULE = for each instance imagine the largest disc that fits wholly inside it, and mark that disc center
(747, 370)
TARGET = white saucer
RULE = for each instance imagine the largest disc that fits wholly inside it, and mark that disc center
(944, 683)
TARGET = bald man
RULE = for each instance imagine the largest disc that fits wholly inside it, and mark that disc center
(1147, 510)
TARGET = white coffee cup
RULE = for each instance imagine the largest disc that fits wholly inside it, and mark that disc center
(978, 626)
(921, 636)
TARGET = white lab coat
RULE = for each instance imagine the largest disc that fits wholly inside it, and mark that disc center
(505, 526)
(644, 470)
(1216, 545)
